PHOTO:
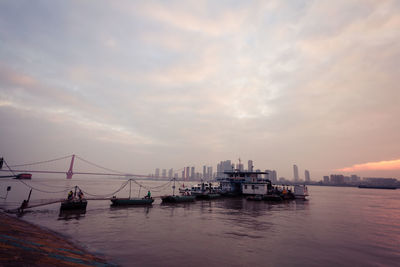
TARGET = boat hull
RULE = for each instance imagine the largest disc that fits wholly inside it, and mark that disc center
(177, 199)
(208, 196)
(131, 201)
(73, 205)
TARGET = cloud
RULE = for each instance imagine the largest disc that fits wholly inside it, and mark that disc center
(387, 165)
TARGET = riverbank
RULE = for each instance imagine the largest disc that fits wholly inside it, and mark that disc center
(25, 244)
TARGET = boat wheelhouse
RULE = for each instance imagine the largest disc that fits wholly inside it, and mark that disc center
(245, 183)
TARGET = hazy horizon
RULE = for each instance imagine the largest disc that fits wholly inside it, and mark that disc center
(135, 85)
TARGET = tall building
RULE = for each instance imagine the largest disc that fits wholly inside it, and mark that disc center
(274, 177)
(307, 176)
(187, 169)
(250, 166)
(271, 175)
(295, 173)
(240, 166)
(337, 179)
(164, 173)
(209, 173)
(326, 179)
(192, 174)
(204, 171)
(157, 173)
(224, 166)
(170, 173)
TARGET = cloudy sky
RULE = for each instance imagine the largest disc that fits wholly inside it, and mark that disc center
(135, 85)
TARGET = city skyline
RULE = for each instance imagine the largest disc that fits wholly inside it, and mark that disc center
(137, 85)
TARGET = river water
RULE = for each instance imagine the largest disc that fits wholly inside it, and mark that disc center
(337, 226)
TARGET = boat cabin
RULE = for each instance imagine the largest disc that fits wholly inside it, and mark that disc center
(245, 182)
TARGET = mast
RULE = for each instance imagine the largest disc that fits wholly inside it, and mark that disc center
(173, 188)
(130, 186)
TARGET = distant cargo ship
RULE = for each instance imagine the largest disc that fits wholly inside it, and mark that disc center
(377, 186)
(24, 176)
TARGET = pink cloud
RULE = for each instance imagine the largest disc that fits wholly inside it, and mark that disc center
(369, 166)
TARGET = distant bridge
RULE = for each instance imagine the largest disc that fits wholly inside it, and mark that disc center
(70, 172)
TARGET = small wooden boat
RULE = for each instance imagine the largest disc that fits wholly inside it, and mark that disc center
(74, 205)
(131, 201)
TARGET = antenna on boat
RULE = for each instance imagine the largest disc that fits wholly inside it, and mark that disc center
(173, 188)
(130, 186)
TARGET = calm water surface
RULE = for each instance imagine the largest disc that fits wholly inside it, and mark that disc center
(335, 227)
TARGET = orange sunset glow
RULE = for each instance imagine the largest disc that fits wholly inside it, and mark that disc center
(375, 166)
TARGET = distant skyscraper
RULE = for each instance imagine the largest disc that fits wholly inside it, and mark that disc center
(204, 172)
(295, 173)
(326, 179)
(192, 174)
(187, 173)
(307, 176)
(164, 173)
(157, 174)
(274, 178)
(170, 173)
(250, 165)
(224, 166)
(209, 173)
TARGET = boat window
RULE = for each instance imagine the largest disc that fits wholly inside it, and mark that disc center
(245, 187)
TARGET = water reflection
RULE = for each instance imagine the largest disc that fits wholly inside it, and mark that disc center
(71, 214)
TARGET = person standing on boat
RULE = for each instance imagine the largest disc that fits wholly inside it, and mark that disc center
(70, 195)
(148, 194)
(80, 195)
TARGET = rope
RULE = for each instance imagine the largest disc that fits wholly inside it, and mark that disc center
(44, 191)
(5, 162)
(40, 162)
(153, 188)
(106, 195)
(98, 166)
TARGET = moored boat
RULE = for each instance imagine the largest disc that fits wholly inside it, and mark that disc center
(208, 196)
(117, 201)
(378, 187)
(272, 197)
(74, 205)
(186, 196)
(255, 198)
(131, 201)
(300, 192)
(23, 176)
(178, 199)
(74, 201)
(206, 191)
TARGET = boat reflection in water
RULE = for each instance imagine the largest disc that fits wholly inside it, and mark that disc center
(71, 214)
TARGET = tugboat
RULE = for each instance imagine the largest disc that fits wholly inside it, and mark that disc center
(147, 200)
(186, 196)
(73, 203)
(300, 192)
(206, 191)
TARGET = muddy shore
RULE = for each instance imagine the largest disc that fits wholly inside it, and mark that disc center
(25, 244)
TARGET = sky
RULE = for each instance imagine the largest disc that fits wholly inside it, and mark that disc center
(139, 85)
